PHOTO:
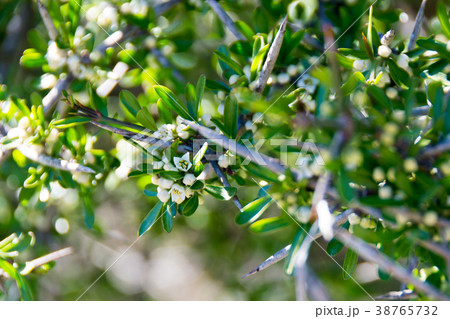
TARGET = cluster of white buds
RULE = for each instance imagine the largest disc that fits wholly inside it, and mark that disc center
(176, 190)
(384, 49)
(168, 132)
(104, 14)
(136, 7)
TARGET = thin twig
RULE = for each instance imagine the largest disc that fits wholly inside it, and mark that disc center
(237, 148)
(283, 253)
(57, 163)
(223, 179)
(435, 247)
(48, 22)
(417, 26)
(225, 18)
(421, 110)
(162, 8)
(35, 263)
(406, 294)
(436, 150)
(373, 255)
(271, 59)
(49, 101)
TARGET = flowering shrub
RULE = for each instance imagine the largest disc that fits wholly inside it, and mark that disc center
(346, 134)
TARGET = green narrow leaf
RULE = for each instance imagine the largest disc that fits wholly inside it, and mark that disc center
(167, 218)
(172, 101)
(231, 63)
(145, 118)
(221, 193)
(201, 152)
(296, 243)
(96, 101)
(191, 206)
(151, 190)
(130, 102)
(352, 83)
(230, 117)
(380, 97)
(200, 89)
(369, 30)
(217, 86)
(21, 106)
(69, 122)
(150, 219)
(345, 191)
(444, 18)
(31, 58)
(88, 211)
(25, 291)
(257, 62)
(397, 74)
(350, 262)
(253, 210)
(191, 100)
(245, 29)
(334, 247)
(269, 224)
(164, 112)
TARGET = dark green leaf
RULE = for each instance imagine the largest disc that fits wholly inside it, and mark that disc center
(231, 63)
(222, 193)
(172, 101)
(350, 262)
(253, 210)
(397, 74)
(191, 206)
(150, 219)
(191, 100)
(25, 291)
(230, 117)
(269, 224)
(168, 219)
(130, 102)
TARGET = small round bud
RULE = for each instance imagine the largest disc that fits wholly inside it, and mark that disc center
(384, 51)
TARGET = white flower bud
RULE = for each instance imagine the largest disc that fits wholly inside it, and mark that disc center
(206, 118)
(163, 195)
(283, 78)
(189, 179)
(233, 79)
(403, 61)
(155, 180)
(430, 219)
(258, 118)
(48, 81)
(292, 70)
(385, 192)
(378, 175)
(384, 51)
(354, 219)
(410, 165)
(403, 17)
(388, 38)
(165, 183)
(392, 93)
(221, 108)
(158, 164)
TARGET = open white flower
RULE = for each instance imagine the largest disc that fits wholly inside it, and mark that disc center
(178, 193)
(182, 163)
(361, 65)
(189, 179)
(163, 194)
(169, 167)
(182, 131)
(223, 161)
(165, 132)
(308, 83)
